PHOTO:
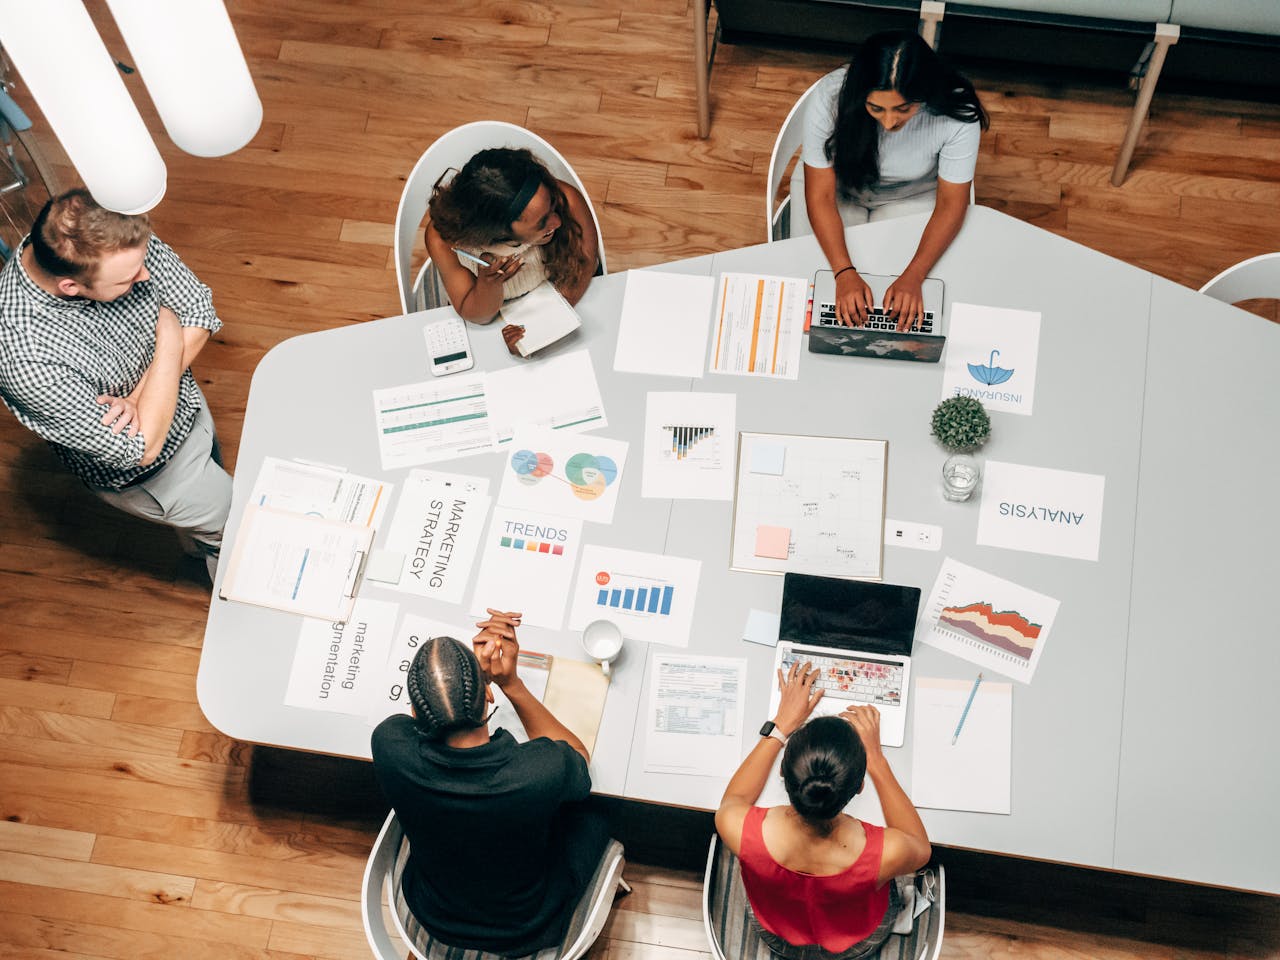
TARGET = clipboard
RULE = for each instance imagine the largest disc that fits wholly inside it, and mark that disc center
(297, 563)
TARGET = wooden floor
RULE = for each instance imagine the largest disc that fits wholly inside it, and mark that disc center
(128, 827)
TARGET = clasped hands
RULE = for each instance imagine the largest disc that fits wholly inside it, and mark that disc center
(496, 646)
(904, 300)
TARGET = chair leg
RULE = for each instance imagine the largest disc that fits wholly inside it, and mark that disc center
(624, 886)
(1166, 36)
(701, 69)
(931, 14)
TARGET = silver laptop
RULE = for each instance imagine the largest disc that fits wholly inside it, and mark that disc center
(879, 336)
(859, 636)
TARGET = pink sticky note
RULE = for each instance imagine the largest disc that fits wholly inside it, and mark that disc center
(772, 541)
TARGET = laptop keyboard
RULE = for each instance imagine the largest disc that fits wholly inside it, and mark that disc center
(849, 678)
(877, 319)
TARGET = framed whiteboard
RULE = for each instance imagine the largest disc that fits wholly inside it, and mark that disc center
(818, 500)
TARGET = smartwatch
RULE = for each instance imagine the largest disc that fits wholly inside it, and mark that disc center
(770, 729)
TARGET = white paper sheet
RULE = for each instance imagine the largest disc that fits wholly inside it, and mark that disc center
(389, 695)
(759, 325)
(568, 474)
(560, 393)
(649, 596)
(330, 493)
(664, 324)
(689, 446)
(437, 526)
(1041, 510)
(762, 627)
(974, 773)
(433, 420)
(338, 666)
(991, 356)
(527, 565)
(534, 669)
(695, 715)
(987, 620)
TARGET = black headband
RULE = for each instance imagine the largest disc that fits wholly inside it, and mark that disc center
(522, 198)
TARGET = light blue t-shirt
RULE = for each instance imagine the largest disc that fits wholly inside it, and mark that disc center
(926, 148)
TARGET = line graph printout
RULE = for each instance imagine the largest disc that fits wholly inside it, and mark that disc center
(988, 621)
(430, 421)
(759, 325)
(826, 494)
(559, 393)
(688, 446)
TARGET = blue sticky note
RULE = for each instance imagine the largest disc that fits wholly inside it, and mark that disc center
(768, 458)
(762, 627)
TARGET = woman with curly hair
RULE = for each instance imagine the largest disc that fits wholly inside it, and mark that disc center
(895, 132)
(504, 224)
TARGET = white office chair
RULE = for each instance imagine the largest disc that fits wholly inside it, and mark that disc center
(777, 219)
(423, 290)
(1257, 278)
(731, 934)
(386, 864)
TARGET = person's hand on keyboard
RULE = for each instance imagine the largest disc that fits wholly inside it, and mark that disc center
(904, 301)
(853, 299)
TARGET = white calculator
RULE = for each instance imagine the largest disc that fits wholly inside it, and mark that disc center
(448, 347)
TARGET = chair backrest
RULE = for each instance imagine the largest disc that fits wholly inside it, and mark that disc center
(584, 929)
(453, 149)
(790, 137)
(1257, 278)
(711, 889)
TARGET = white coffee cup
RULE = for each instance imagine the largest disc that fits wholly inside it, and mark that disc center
(602, 639)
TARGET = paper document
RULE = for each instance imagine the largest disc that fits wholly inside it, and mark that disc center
(759, 325)
(545, 315)
(822, 513)
(296, 563)
(389, 696)
(430, 421)
(533, 669)
(560, 393)
(762, 627)
(338, 666)
(987, 620)
(991, 356)
(568, 474)
(1041, 510)
(319, 491)
(576, 693)
(649, 596)
(689, 446)
(695, 715)
(437, 526)
(664, 324)
(974, 772)
(527, 565)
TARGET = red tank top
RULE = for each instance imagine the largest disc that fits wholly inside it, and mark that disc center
(835, 912)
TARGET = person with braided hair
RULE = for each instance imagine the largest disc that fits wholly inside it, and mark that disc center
(501, 846)
(820, 882)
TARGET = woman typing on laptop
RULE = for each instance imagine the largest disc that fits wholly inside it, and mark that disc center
(893, 133)
(815, 876)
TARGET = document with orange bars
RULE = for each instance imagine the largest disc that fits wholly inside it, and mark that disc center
(759, 325)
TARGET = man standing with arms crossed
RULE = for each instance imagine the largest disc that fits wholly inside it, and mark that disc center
(99, 324)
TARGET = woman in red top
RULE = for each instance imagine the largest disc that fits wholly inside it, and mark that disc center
(815, 876)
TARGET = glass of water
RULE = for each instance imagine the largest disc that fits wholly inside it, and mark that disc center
(960, 476)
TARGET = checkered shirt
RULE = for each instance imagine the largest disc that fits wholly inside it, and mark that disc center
(57, 356)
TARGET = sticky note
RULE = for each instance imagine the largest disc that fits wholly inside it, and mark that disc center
(762, 627)
(768, 458)
(773, 541)
(384, 566)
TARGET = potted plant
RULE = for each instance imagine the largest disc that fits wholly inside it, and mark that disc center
(961, 424)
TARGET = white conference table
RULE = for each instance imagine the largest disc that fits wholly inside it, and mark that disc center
(1148, 716)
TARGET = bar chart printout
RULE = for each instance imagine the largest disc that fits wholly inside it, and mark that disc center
(649, 596)
(689, 443)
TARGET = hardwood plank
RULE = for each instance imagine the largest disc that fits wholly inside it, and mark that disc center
(88, 877)
(160, 711)
(304, 908)
(17, 837)
(319, 942)
(26, 931)
(63, 699)
(50, 725)
(135, 680)
(662, 931)
(16, 665)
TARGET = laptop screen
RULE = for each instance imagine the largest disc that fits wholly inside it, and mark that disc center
(848, 614)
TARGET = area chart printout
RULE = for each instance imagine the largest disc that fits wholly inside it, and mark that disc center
(689, 446)
(437, 527)
(988, 621)
(649, 596)
(330, 493)
(759, 325)
(430, 421)
(695, 715)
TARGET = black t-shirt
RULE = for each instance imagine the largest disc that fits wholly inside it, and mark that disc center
(483, 869)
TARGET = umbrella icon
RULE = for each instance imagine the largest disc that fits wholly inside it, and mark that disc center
(989, 374)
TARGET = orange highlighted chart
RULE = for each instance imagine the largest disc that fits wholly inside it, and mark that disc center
(759, 325)
(987, 620)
